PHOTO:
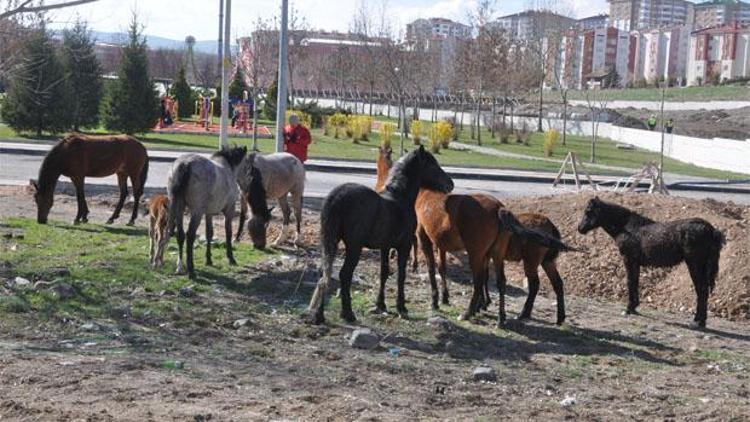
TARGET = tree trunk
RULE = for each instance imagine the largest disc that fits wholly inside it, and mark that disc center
(494, 110)
(541, 106)
(565, 117)
(255, 121)
(370, 96)
(595, 130)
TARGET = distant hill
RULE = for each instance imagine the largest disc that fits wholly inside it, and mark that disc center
(155, 42)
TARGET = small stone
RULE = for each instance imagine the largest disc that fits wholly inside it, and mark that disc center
(187, 292)
(693, 349)
(20, 281)
(89, 326)
(484, 373)
(568, 401)
(438, 321)
(364, 338)
(64, 291)
(240, 323)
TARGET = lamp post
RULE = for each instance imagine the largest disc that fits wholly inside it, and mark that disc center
(281, 93)
(226, 62)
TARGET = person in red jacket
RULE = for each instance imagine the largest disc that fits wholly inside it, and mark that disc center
(296, 138)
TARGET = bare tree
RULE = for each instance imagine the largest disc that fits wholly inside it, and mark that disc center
(297, 52)
(255, 60)
(596, 100)
(17, 7)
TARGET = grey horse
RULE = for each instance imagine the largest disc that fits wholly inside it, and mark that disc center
(205, 187)
(274, 176)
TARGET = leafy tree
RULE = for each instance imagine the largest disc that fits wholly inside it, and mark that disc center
(84, 74)
(269, 105)
(238, 85)
(133, 104)
(183, 94)
(39, 97)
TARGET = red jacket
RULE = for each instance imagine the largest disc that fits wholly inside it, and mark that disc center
(296, 141)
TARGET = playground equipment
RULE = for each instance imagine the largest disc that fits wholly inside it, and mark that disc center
(168, 111)
(242, 111)
(204, 108)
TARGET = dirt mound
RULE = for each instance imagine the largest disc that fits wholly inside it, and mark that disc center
(600, 272)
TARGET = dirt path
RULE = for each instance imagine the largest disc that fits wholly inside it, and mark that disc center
(601, 365)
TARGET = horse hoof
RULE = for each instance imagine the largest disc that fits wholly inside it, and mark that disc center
(348, 317)
(130, 223)
(446, 302)
(312, 318)
(464, 316)
(232, 262)
(630, 312)
(403, 314)
(110, 221)
(697, 325)
(378, 310)
(500, 324)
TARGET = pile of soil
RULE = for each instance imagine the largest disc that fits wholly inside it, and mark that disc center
(600, 272)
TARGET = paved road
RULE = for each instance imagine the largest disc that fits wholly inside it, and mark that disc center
(16, 169)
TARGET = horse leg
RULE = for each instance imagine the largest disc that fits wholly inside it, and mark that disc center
(228, 216)
(429, 255)
(380, 307)
(443, 275)
(137, 183)
(180, 242)
(345, 276)
(633, 269)
(297, 204)
(122, 182)
(479, 276)
(415, 252)
(485, 303)
(195, 221)
(403, 258)
(501, 283)
(83, 209)
(209, 236)
(152, 240)
(700, 283)
(286, 212)
(530, 269)
(557, 285)
(243, 217)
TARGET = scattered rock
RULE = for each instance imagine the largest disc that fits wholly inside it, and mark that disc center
(187, 292)
(364, 338)
(438, 321)
(240, 323)
(693, 348)
(20, 281)
(568, 401)
(64, 291)
(89, 326)
(138, 291)
(484, 373)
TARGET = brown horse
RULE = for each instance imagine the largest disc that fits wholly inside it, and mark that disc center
(158, 213)
(78, 156)
(384, 166)
(480, 225)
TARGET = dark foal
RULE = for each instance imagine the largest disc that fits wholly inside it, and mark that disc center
(80, 156)
(644, 242)
(362, 218)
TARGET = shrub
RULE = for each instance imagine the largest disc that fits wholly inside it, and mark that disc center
(364, 127)
(435, 143)
(550, 139)
(338, 122)
(444, 132)
(504, 134)
(386, 133)
(416, 132)
(316, 112)
(304, 118)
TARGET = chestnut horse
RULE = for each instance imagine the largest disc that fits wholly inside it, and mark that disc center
(78, 156)
(384, 166)
(158, 216)
(480, 225)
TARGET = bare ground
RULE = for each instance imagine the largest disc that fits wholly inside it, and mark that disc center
(608, 366)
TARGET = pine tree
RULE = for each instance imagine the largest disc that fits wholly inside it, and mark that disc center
(132, 105)
(84, 74)
(238, 86)
(269, 105)
(38, 98)
(183, 94)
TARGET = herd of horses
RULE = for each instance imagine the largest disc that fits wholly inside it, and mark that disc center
(411, 207)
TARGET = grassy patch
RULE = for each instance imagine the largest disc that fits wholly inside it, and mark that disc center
(693, 93)
(108, 270)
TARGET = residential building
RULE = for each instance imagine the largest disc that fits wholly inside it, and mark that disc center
(531, 24)
(436, 28)
(660, 54)
(721, 12)
(630, 15)
(593, 22)
(718, 54)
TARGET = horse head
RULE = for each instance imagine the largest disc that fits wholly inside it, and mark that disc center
(256, 198)
(386, 156)
(432, 176)
(43, 199)
(591, 216)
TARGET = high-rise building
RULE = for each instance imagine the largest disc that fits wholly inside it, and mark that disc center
(436, 28)
(630, 15)
(660, 54)
(593, 22)
(532, 24)
(721, 12)
(718, 54)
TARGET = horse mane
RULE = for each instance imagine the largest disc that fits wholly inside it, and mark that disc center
(398, 177)
(50, 170)
(384, 164)
(256, 195)
(626, 215)
(233, 155)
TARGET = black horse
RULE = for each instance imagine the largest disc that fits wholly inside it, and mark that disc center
(363, 218)
(644, 242)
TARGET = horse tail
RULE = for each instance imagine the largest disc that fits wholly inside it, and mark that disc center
(552, 253)
(511, 223)
(144, 174)
(330, 231)
(714, 252)
(176, 190)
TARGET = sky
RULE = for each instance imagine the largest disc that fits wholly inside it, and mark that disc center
(176, 19)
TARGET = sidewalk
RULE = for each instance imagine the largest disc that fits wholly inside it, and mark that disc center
(677, 182)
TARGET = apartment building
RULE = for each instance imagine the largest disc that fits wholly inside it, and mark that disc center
(436, 28)
(631, 15)
(593, 22)
(718, 54)
(721, 12)
(660, 54)
(531, 24)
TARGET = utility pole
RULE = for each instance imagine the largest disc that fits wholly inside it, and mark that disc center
(220, 44)
(281, 94)
(661, 154)
(226, 62)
